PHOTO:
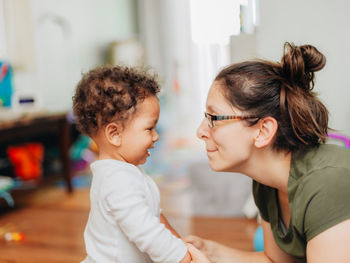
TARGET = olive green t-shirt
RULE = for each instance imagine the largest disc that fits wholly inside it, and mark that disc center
(319, 197)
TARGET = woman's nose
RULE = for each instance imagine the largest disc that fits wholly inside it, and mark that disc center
(203, 130)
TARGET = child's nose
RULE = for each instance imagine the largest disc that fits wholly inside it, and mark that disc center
(155, 136)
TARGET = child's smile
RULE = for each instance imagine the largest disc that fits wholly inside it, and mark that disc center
(140, 133)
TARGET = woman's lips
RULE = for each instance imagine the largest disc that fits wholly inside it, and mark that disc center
(211, 150)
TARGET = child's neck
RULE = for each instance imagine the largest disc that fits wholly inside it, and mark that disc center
(102, 155)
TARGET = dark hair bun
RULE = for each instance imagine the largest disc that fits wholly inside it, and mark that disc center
(299, 64)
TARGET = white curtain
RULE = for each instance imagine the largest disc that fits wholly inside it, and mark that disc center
(17, 42)
(3, 45)
(188, 42)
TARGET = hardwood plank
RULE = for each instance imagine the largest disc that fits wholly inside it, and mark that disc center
(54, 221)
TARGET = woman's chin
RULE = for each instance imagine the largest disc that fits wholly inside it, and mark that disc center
(221, 167)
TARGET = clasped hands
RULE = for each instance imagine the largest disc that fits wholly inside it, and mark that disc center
(198, 249)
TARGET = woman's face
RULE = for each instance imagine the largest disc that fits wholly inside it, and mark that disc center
(229, 143)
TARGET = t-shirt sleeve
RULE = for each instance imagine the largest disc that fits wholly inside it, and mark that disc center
(260, 193)
(326, 197)
(125, 200)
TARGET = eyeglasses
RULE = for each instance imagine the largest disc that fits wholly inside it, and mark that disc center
(212, 118)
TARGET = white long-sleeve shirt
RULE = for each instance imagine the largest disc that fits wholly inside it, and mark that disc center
(124, 220)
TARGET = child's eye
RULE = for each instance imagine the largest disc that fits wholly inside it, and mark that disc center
(151, 128)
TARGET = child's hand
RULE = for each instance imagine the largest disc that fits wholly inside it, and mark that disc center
(186, 259)
(197, 256)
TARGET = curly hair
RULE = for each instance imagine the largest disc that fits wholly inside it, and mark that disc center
(110, 94)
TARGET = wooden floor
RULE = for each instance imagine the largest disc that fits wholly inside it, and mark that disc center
(53, 223)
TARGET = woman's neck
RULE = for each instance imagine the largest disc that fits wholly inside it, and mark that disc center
(270, 168)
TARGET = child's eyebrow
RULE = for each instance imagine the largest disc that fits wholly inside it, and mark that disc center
(153, 121)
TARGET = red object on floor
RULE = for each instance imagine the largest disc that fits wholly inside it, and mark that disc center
(27, 160)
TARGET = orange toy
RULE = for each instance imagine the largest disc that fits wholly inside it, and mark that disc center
(27, 160)
(14, 236)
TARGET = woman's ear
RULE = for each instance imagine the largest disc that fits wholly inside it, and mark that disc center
(267, 129)
(113, 134)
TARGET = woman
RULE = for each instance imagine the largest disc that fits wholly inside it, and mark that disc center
(263, 120)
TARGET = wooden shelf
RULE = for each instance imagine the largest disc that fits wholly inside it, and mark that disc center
(21, 129)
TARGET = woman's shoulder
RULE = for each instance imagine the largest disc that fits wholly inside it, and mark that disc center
(333, 148)
(322, 170)
(317, 159)
(322, 199)
(331, 153)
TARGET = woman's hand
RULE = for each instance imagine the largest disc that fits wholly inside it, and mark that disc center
(197, 256)
(207, 247)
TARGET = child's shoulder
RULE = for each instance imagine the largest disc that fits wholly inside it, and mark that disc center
(110, 167)
(116, 177)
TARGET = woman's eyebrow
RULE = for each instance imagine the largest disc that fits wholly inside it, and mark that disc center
(214, 109)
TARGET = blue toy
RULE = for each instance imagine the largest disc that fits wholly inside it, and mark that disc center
(78, 148)
(259, 239)
(5, 84)
(6, 184)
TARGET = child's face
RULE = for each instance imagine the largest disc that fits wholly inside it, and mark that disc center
(139, 134)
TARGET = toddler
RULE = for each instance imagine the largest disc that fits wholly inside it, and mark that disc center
(118, 108)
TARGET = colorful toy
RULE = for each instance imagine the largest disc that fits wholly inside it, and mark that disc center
(6, 90)
(10, 233)
(82, 153)
(340, 137)
(78, 147)
(14, 236)
(6, 184)
(27, 160)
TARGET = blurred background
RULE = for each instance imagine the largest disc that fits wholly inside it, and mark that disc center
(49, 43)
(45, 45)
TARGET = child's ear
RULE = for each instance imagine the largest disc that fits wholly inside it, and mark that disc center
(112, 133)
(267, 129)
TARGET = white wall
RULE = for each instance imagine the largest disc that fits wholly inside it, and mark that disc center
(70, 37)
(3, 46)
(324, 24)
